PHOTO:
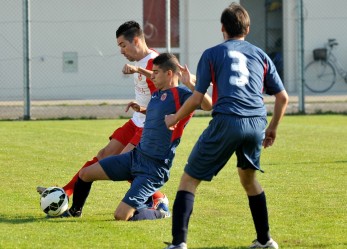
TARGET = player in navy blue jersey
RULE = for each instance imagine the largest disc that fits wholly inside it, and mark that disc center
(149, 163)
(240, 73)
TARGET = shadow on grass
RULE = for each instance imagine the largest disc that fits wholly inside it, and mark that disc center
(18, 219)
(309, 162)
(284, 246)
(222, 247)
(301, 244)
(30, 219)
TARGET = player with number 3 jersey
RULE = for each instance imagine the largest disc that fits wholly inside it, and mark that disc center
(240, 72)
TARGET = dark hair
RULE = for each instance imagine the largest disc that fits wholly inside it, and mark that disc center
(129, 30)
(235, 20)
(167, 61)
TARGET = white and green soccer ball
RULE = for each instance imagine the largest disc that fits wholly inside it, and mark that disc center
(54, 201)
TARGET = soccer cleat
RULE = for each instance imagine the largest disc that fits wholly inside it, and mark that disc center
(40, 189)
(180, 246)
(270, 244)
(163, 207)
(157, 201)
(67, 214)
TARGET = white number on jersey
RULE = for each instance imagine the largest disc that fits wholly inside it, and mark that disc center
(240, 67)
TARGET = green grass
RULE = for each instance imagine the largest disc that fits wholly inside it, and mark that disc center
(305, 181)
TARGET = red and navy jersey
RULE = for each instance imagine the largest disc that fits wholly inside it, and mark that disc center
(157, 140)
(144, 87)
(240, 72)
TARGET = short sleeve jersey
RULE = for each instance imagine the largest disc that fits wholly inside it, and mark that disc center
(157, 140)
(239, 72)
(144, 87)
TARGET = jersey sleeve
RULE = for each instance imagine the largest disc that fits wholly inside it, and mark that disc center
(204, 73)
(272, 81)
(185, 94)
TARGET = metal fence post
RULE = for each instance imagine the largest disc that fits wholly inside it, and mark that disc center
(26, 59)
(168, 26)
(301, 56)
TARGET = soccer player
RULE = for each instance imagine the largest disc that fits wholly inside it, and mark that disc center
(132, 43)
(149, 163)
(239, 73)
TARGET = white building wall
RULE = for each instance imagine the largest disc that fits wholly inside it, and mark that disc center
(11, 50)
(290, 45)
(89, 29)
(203, 27)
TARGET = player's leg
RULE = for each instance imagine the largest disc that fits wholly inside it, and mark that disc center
(249, 182)
(115, 167)
(248, 162)
(118, 142)
(114, 147)
(128, 213)
(209, 155)
(257, 204)
(133, 206)
(183, 208)
(69, 187)
(124, 212)
(158, 198)
(82, 188)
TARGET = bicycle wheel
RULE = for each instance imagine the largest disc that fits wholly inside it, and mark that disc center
(320, 76)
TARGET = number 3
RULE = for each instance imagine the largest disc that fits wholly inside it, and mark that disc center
(240, 66)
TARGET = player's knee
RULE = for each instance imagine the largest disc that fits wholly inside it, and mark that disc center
(119, 216)
(247, 185)
(251, 186)
(101, 154)
(82, 174)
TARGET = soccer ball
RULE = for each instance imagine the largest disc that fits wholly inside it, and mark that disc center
(54, 201)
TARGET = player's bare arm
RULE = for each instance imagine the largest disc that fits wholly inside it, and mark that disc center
(136, 107)
(280, 106)
(188, 107)
(131, 69)
(189, 80)
(186, 77)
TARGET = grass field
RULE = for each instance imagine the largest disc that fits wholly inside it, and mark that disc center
(305, 181)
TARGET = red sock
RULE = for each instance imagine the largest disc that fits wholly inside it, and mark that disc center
(71, 185)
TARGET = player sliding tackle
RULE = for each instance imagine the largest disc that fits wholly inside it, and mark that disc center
(148, 165)
(132, 44)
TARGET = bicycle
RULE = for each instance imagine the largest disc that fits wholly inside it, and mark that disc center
(320, 74)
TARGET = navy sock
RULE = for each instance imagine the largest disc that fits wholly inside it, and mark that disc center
(258, 208)
(80, 194)
(182, 210)
(146, 214)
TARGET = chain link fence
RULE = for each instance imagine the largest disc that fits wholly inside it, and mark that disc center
(75, 64)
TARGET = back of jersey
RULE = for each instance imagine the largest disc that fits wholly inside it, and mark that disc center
(239, 72)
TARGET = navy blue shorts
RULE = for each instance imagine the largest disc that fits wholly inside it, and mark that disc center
(225, 135)
(146, 174)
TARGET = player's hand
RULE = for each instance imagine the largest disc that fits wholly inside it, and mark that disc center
(270, 136)
(135, 106)
(185, 76)
(129, 69)
(170, 121)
